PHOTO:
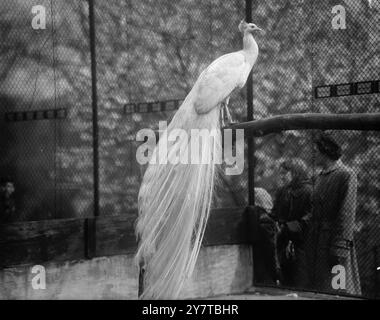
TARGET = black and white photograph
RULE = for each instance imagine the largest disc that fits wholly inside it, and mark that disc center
(203, 151)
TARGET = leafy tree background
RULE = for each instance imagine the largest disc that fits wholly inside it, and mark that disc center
(155, 50)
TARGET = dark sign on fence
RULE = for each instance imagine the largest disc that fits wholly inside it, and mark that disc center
(347, 89)
(156, 106)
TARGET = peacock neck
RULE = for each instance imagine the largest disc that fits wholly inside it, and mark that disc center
(250, 47)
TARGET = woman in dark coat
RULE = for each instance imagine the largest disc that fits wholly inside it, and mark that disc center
(333, 221)
(292, 210)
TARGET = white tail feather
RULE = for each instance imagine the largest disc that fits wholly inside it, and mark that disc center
(174, 205)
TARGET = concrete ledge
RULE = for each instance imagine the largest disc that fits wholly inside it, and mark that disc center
(220, 270)
(268, 293)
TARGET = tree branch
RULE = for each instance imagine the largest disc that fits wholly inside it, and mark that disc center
(307, 121)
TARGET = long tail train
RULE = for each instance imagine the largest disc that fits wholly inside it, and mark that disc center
(174, 205)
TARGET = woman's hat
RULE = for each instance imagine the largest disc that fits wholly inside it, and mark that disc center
(328, 146)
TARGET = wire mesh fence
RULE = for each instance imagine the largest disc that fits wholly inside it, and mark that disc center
(149, 55)
(331, 43)
(45, 103)
(290, 207)
(160, 50)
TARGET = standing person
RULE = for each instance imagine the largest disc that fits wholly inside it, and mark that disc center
(266, 265)
(292, 210)
(7, 201)
(333, 219)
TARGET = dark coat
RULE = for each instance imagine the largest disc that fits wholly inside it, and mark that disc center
(332, 229)
(292, 209)
(293, 204)
(7, 209)
(264, 249)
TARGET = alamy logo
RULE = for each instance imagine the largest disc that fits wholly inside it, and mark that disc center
(339, 280)
(339, 20)
(39, 20)
(196, 146)
(39, 280)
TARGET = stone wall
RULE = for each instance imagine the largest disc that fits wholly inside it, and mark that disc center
(220, 270)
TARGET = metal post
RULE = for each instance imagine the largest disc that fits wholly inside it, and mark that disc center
(251, 140)
(95, 133)
(91, 240)
(376, 282)
(251, 145)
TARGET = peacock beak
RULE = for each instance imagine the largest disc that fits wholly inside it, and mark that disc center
(258, 29)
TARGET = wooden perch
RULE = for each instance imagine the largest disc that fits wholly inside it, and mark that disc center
(307, 121)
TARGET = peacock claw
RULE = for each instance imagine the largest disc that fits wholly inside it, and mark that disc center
(225, 112)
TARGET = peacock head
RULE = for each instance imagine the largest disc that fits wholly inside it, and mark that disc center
(248, 27)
